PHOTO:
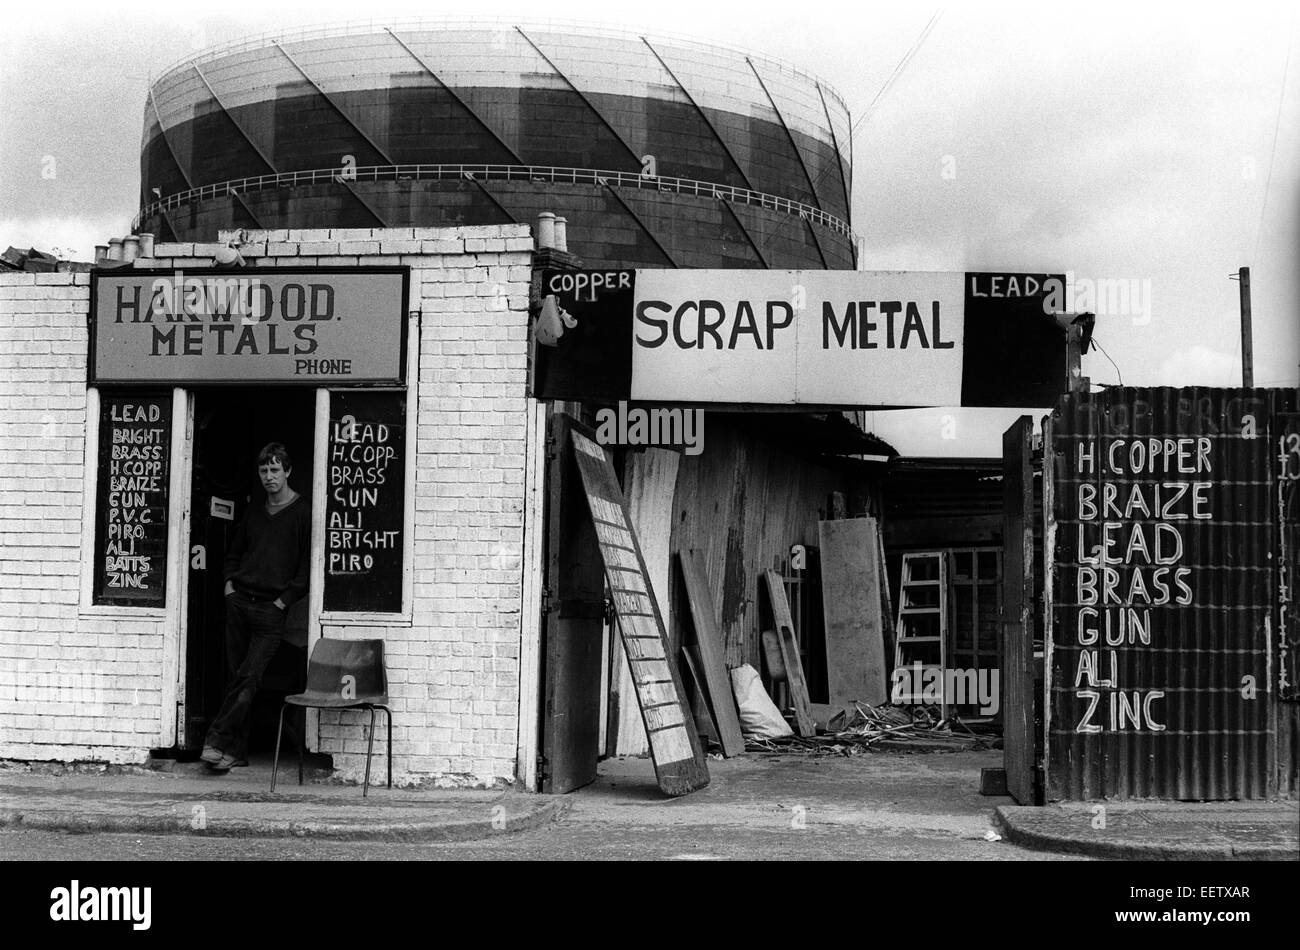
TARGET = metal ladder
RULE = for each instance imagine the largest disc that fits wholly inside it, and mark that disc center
(922, 629)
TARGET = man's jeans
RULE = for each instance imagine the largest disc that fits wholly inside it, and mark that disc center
(253, 634)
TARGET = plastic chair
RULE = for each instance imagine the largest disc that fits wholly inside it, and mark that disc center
(343, 674)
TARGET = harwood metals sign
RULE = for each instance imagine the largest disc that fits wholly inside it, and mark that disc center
(850, 338)
(337, 326)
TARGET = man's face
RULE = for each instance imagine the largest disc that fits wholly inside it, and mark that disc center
(273, 475)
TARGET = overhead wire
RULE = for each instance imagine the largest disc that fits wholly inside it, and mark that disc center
(898, 70)
(1277, 124)
(880, 93)
(1118, 374)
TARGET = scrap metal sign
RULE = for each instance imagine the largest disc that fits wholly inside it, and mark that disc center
(848, 338)
(281, 325)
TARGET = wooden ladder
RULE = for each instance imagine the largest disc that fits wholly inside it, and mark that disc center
(922, 629)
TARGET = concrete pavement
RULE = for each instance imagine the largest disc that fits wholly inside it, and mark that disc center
(888, 797)
(1159, 831)
(191, 800)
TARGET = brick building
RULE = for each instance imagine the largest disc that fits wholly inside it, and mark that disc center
(86, 679)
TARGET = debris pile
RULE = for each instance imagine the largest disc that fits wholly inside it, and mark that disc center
(859, 727)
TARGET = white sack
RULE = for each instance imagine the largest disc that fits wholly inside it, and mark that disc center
(759, 716)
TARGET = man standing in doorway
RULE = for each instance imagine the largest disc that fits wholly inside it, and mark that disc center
(266, 570)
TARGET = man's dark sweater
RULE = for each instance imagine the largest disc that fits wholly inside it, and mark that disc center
(270, 554)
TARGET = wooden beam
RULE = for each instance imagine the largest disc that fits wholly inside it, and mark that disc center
(1017, 611)
(956, 531)
(803, 718)
(721, 700)
(886, 601)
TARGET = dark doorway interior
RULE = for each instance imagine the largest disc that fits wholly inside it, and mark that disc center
(230, 427)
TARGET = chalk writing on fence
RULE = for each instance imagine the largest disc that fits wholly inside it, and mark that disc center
(1131, 558)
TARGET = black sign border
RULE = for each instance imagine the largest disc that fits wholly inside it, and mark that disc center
(185, 382)
(102, 453)
(403, 564)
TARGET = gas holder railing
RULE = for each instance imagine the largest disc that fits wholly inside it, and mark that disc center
(531, 173)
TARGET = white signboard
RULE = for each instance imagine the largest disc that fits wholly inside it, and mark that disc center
(809, 337)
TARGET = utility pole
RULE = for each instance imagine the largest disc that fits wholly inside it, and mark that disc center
(1247, 346)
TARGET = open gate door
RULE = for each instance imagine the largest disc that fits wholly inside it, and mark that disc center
(1017, 610)
(573, 622)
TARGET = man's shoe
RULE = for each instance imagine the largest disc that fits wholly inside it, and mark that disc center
(211, 754)
(239, 763)
(224, 764)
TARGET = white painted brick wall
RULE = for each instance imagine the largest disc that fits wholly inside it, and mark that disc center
(77, 685)
(73, 684)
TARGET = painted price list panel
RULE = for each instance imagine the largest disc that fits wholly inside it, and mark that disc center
(131, 500)
(674, 745)
(364, 503)
(1159, 680)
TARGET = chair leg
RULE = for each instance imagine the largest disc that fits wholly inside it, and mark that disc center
(275, 765)
(370, 745)
(389, 713)
(301, 746)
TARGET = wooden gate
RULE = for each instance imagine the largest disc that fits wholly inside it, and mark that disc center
(1017, 686)
(573, 609)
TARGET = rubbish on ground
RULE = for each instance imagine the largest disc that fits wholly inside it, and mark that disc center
(859, 726)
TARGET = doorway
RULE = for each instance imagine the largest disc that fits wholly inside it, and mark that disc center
(231, 425)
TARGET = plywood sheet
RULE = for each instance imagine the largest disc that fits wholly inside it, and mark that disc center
(855, 647)
(651, 477)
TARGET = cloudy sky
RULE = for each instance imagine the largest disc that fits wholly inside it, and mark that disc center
(1152, 143)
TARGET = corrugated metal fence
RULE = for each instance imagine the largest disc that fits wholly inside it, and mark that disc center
(1168, 612)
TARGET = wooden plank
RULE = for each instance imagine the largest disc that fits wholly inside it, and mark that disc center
(675, 749)
(886, 602)
(803, 719)
(1017, 604)
(855, 645)
(1043, 777)
(721, 700)
(699, 705)
(650, 478)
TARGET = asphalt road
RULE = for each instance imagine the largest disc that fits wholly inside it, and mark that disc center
(566, 841)
(872, 808)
